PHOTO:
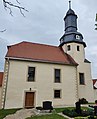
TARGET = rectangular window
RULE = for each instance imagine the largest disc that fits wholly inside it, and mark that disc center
(31, 73)
(78, 48)
(57, 75)
(57, 93)
(81, 79)
(68, 48)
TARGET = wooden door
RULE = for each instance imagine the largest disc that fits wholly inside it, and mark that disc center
(29, 99)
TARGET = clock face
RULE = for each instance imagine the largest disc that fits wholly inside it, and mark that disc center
(77, 37)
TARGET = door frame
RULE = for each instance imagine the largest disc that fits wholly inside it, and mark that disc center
(25, 98)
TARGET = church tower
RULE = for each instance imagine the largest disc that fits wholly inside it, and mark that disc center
(72, 41)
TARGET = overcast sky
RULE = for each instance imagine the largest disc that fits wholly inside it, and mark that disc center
(44, 24)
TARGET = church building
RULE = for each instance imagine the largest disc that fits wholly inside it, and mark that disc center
(35, 73)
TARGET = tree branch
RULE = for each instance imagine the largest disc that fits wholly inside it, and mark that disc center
(17, 1)
(3, 30)
(96, 21)
(96, 26)
(96, 17)
(8, 5)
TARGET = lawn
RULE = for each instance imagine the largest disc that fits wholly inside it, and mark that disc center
(54, 115)
(50, 116)
(58, 110)
(70, 111)
(5, 112)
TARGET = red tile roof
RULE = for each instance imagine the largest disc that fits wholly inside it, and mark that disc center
(94, 82)
(39, 52)
(1, 78)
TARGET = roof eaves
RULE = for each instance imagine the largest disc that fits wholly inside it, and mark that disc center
(87, 61)
(41, 60)
(72, 42)
(94, 79)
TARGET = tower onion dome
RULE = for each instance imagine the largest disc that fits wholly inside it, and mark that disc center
(71, 34)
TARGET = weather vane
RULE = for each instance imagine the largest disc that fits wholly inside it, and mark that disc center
(69, 4)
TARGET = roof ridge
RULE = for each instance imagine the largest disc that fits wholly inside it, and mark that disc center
(14, 44)
(39, 44)
(32, 43)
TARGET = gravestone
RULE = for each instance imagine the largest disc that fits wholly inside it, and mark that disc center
(47, 105)
(78, 107)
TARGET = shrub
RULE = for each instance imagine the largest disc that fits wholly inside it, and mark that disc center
(72, 113)
(69, 112)
(91, 117)
(83, 101)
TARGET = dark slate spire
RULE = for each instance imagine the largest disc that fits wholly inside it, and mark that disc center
(70, 20)
(71, 34)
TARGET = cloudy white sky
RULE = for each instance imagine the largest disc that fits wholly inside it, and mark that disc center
(44, 24)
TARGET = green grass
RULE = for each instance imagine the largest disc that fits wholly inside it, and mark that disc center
(50, 116)
(70, 111)
(81, 118)
(58, 110)
(5, 112)
(84, 117)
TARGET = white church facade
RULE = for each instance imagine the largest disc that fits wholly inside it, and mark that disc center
(35, 73)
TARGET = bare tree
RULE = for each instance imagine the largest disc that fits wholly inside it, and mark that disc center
(3, 30)
(8, 5)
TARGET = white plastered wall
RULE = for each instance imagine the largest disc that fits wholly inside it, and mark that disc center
(43, 86)
(85, 91)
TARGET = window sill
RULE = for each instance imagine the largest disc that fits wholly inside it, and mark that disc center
(57, 98)
(30, 81)
(82, 84)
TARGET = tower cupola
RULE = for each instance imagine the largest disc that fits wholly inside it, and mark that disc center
(70, 20)
(71, 34)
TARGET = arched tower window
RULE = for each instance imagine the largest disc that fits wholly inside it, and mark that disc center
(68, 47)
